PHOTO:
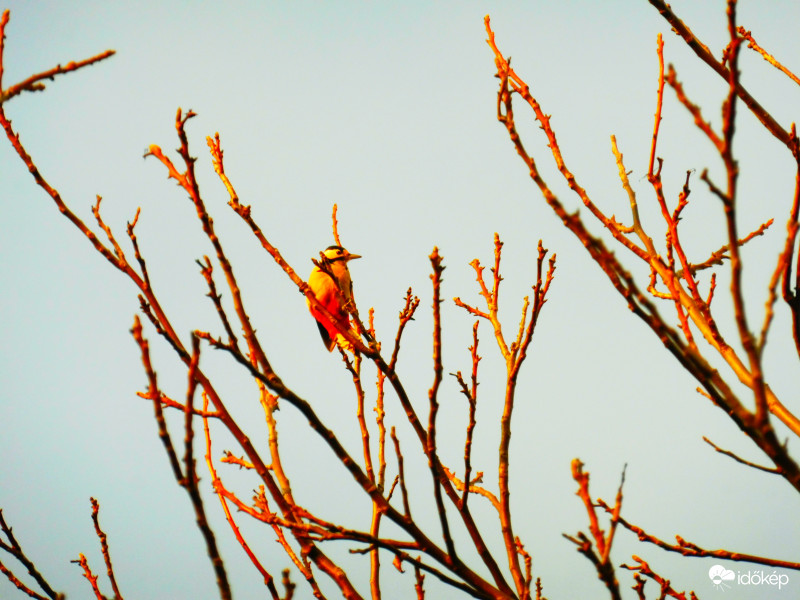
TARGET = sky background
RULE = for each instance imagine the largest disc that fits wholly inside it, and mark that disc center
(388, 110)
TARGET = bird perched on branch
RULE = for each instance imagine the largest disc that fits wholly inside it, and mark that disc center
(330, 283)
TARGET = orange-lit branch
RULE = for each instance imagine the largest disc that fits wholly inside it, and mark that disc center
(13, 547)
(354, 367)
(436, 278)
(703, 52)
(505, 115)
(270, 379)
(597, 549)
(261, 369)
(373, 353)
(751, 43)
(406, 315)
(526, 557)
(90, 577)
(34, 83)
(665, 586)
(660, 50)
(792, 297)
(104, 548)
(471, 393)
(187, 480)
(719, 256)
(335, 225)
(746, 337)
(207, 270)
(170, 403)
(216, 483)
(514, 355)
(18, 584)
(148, 301)
(694, 110)
(511, 84)
(419, 579)
(245, 213)
(256, 361)
(322, 530)
(260, 508)
(690, 549)
(474, 488)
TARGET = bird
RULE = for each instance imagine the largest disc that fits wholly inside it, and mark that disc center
(335, 296)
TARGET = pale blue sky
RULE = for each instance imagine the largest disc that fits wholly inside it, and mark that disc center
(387, 109)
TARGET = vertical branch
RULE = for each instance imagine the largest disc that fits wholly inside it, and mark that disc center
(154, 394)
(514, 363)
(380, 415)
(135, 243)
(792, 297)
(104, 548)
(514, 357)
(526, 593)
(90, 577)
(188, 480)
(381, 481)
(354, 367)
(206, 269)
(660, 50)
(287, 584)
(433, 460)
(335, 224)
(673, 243)
(614, 518)
(217, 484)
(401, 473)
(600, 558)
(729, 203)
(355, 371)
(270, 404)
(3, 22)
(406, 315)
(419, 579)
(472, 398)
(374, 556)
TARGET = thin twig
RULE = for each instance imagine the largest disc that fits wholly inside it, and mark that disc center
(34, 82)
(217, 483)
(14, 548)
(751, 43)
(436, 278)
(741, 460)
(91, 577)
(104, 548)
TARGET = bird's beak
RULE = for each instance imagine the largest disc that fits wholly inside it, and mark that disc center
(352, 256)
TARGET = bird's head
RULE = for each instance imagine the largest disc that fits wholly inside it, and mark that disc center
(335, 254)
